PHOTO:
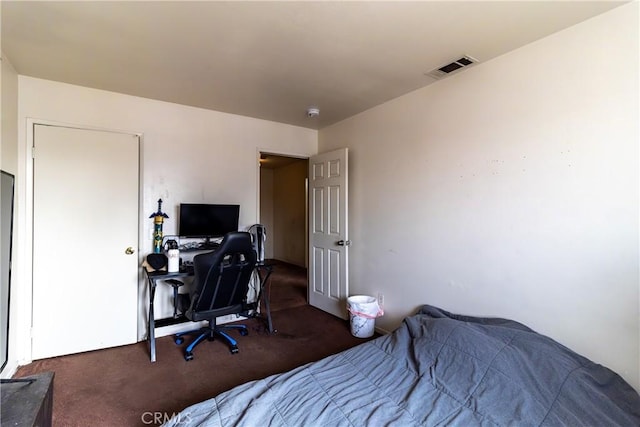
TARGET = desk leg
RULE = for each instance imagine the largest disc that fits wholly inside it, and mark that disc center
(152, 323)
(264, 295)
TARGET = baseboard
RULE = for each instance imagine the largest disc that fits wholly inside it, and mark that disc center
(381, 331)
(9, 369)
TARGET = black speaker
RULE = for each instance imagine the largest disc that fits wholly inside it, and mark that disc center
(157, 261)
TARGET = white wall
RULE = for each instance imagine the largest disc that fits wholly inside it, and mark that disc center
(266, 208)
(511, 190)
(188, 155)
(283, 202)
(289, 213)
(8, 122)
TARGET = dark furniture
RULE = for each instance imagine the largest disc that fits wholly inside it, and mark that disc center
(263, 272)
(221, 283)
(7, 181)
(160, 262)
(28, 401)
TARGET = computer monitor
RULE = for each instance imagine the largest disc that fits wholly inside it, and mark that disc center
(199, 220)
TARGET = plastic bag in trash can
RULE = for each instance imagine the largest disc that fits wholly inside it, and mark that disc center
(363, 311)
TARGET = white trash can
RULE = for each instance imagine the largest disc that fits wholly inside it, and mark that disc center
(363, 311)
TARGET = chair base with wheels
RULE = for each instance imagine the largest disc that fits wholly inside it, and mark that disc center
(220, 286)
(210, 333)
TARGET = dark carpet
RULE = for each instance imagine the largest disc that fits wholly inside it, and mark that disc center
(288, 286)
(121, 387)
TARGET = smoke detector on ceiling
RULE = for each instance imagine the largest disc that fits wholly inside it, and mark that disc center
(313, 112)
(453, 67)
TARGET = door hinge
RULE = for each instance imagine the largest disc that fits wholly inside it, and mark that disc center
(33, 152)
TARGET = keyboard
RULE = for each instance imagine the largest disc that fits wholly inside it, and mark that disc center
(209, 246)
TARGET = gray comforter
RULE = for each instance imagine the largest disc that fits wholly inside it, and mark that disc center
(436, 369)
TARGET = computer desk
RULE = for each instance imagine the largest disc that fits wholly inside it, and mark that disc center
(263, 271)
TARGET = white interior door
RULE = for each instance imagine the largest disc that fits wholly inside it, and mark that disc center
(85, 239)
(328, 232)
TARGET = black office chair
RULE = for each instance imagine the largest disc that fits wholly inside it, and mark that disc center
(220, 286)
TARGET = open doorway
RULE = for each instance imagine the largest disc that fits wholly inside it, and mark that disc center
(283, 211)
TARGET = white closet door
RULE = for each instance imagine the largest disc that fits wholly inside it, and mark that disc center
(85, 240)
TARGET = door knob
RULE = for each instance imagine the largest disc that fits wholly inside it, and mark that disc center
(343, 243)
(129, 251)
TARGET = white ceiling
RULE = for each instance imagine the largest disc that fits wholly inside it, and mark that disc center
(270, 60)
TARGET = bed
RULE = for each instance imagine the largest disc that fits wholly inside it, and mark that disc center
(437, 368)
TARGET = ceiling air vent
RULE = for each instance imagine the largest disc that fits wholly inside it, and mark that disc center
(452, 68)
